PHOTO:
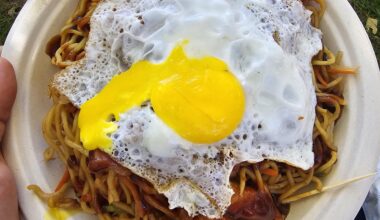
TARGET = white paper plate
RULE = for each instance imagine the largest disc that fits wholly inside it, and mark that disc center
(358, 133)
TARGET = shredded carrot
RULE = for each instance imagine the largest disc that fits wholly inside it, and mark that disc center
(86, 197)
(269, 172)
(331, 99)
(320, 77)
(82, 22)
(139, 210)
(342, 70)
(64, 179)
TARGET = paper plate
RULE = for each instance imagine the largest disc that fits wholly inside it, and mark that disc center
(357, 133)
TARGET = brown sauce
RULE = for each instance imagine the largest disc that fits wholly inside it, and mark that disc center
(52, 46)
(252, 205)
(98, 160)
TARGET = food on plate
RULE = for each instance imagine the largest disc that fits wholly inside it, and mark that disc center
(192, 109)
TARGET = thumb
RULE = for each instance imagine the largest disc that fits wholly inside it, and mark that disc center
(8, 89)
(8, 192)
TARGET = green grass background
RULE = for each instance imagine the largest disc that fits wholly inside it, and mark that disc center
(364, 8)
(369, 9)
(8, 12)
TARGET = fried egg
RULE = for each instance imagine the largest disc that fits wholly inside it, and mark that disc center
(180, 91)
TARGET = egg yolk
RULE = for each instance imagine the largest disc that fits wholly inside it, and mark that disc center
(200, 99)
(56, 214)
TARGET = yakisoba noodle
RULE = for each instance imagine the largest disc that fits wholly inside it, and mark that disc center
(114, 194)
(74, 35)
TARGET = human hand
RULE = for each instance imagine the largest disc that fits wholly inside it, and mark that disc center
(8, 192)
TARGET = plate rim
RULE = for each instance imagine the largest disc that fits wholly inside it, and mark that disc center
(31, 12)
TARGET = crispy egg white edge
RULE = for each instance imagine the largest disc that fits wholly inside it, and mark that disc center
(80, 63)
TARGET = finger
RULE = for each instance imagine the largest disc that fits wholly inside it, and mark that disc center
(8, 192)
(8, 89)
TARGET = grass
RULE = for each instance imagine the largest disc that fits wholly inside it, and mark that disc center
(365, 9)
(369, 9)
(8, 12)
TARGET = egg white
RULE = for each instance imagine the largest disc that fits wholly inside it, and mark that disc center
(276, 77)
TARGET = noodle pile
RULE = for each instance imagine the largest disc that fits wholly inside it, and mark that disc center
(110, 195)
(74, 35)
